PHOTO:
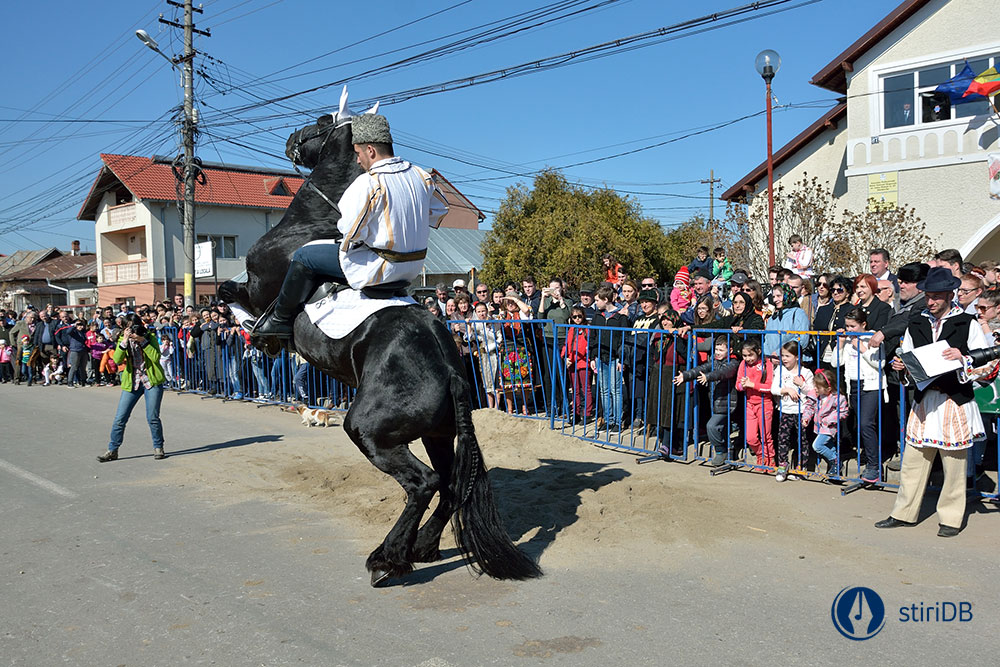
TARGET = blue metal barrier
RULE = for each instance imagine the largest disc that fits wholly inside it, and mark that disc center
(539, 369)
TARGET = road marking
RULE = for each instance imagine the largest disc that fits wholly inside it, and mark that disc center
(35, 479)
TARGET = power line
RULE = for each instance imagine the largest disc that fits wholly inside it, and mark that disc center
(712, 21)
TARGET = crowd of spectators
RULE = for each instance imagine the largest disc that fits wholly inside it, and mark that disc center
(798, 342)
(201, 349)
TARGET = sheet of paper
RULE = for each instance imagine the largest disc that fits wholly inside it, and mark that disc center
(926, 363)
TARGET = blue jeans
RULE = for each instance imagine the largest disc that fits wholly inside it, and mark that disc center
(609, 378)
(323, 259)
(127, 401)
(821, 445)
(260, 374)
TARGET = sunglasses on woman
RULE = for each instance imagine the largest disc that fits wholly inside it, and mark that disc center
(838, 289)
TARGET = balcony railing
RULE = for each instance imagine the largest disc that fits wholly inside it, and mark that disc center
(123, 272)
(122, 215)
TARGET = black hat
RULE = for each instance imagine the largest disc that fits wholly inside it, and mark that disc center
(939, 279)
(650, 295)
(588, 288)
(739, 278)
(913, 272)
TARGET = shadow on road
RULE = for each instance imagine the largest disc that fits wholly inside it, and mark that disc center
(239, 442)
(547, 497)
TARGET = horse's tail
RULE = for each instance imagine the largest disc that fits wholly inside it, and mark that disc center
(478, 528)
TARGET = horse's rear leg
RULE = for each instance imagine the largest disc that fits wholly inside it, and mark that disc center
(442, 455)
(393, 558)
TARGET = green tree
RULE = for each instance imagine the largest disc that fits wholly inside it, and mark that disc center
(558, 229)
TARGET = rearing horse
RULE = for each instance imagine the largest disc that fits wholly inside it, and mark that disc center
(409, 378)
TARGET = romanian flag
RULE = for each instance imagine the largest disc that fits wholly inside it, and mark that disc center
(986, 84)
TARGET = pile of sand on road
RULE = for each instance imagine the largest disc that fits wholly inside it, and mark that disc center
(556, 493)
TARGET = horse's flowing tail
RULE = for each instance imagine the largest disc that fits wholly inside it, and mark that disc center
(478, 528)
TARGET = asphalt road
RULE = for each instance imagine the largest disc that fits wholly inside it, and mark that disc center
(101, 565)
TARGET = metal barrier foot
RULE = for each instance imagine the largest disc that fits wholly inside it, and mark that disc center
(725, 467)
(655, 457)
(851, 488)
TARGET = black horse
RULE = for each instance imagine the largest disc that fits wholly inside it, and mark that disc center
(409, 379)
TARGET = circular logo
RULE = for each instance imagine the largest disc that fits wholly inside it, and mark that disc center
(858, 613)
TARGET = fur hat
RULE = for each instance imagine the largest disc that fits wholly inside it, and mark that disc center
(370, 128)
(913, 272)
(939, 279)
(683, 276)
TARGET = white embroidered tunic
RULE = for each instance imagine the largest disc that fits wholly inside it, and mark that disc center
(390, 207)
(937, 420)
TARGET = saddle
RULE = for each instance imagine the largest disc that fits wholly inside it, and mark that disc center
(395, 289)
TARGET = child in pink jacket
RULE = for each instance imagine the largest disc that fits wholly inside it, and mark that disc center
(755, 376)
(827, 407)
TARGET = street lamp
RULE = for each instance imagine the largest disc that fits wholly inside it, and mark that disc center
(768, 63)
(188, 131)
(153, 46)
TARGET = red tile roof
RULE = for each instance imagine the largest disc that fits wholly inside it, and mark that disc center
(746, 184)
(834, 75)
(149, 179)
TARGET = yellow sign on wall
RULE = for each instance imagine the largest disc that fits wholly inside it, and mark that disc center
(883, 190)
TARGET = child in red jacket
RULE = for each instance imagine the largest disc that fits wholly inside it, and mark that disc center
(577, 355)
(755, 376)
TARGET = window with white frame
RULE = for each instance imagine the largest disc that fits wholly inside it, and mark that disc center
(225, 246)
(909, 100)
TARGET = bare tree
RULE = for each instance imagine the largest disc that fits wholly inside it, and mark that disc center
(840, 244)
(806, 208)
(897, 229)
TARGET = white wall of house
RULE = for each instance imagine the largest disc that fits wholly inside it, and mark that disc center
(822, 157)
(245, 224)
(940, 167)
(153, 232)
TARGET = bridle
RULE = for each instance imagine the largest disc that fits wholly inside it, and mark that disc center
(296, 155)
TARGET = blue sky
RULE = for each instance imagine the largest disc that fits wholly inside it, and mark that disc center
(81, 61)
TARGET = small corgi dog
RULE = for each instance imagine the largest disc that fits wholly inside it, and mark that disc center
(314, 417)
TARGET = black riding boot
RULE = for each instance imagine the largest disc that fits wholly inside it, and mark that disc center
(300, 282)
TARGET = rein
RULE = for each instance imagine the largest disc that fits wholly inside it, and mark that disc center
(296, 155)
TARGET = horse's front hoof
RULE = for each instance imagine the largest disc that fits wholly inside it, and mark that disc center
(380, 578)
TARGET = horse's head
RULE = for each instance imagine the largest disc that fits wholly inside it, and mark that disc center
(329, 135)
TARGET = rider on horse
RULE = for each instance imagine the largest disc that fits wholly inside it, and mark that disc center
(386, 215)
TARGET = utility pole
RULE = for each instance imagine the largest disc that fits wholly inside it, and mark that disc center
(712, 180)
(189, 128)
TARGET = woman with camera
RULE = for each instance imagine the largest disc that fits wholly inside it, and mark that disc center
(137, 354)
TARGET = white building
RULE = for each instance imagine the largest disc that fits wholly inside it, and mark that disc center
(892, 139)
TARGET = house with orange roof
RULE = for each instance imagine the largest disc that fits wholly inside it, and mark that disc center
(134, 203)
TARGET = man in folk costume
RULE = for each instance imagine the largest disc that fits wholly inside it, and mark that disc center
(944, 419)
(386, 216)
